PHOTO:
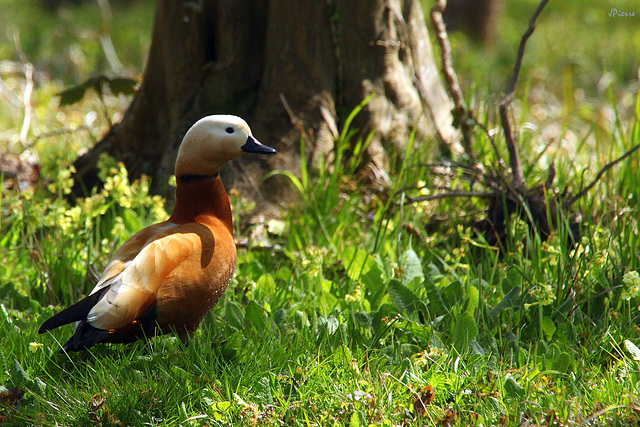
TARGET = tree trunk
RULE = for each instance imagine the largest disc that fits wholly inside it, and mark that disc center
(291, 68)
(476, 18)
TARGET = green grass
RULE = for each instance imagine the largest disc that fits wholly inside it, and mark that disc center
(362, 306)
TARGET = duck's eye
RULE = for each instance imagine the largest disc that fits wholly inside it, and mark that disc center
(230, 130)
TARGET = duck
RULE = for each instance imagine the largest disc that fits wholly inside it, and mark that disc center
(168, 276)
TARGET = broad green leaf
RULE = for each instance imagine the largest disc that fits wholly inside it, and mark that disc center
(512, 388)
(255, 317)
(232, 345)
(266, 284)
(354, 421)
(179, 373)
(327, 301)
(506, 301)
(551, 352)
(548, 328)
(72, 95)
(19, 375)
(122, 85)
(464, 331)
(433, 272)
(402, 297)
(233, 315)
(473, 296)
(411, 267)
(357, 262)
(476, 348)
(301, 319)
(280, 316)
(342, 356)
(437, 304)
(221, 406)
(374, 279)
(131, 221)
(363, 318)
(562, 363)
(262, 391)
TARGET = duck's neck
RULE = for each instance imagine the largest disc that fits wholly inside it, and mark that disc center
(200, 197)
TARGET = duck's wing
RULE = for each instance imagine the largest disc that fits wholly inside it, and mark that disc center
(130, 295)
(121, 259)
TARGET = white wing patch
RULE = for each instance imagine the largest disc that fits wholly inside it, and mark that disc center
(136, 285)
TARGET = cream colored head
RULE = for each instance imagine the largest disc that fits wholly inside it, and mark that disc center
(213, 141)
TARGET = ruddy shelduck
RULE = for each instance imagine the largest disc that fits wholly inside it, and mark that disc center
(168, 276)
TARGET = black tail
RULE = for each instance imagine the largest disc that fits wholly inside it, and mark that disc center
(74, 313)
(84, 335)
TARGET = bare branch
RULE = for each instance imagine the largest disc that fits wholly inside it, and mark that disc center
(514, 159)
(461, 113)
(516, 68)
(552, 174)
(604, 169)
(28, 108)
(449, 194)
(59, 132)
(292, 116)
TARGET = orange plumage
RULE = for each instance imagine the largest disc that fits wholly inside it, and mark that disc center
(168, 276)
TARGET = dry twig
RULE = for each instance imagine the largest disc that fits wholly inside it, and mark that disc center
(514, 158)
(461, 114)
(28, 108)
(507, 194)
(448, 194)
(602, 171)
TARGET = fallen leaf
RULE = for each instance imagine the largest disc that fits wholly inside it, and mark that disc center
(425, 398)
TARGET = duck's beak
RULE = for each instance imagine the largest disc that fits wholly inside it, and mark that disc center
(254, 146)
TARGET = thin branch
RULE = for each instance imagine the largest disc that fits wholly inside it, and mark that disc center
(516, 68)
(598, 295)
(292, 116)
(489, 179)
(424, 187)
(438, 168)
(449, 194)
(28, 108)
(552, 175)
(461, 113)
(599, 175)
(489, 137)
(588, 421)
(105, 36)
(433, 96)
(59, 132)
(514, 159)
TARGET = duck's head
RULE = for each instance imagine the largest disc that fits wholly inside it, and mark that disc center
(214, 140)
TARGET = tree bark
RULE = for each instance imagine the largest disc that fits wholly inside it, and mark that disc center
(476, 18)
(292, 69)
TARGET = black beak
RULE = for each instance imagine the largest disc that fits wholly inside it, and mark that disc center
(253, 146)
